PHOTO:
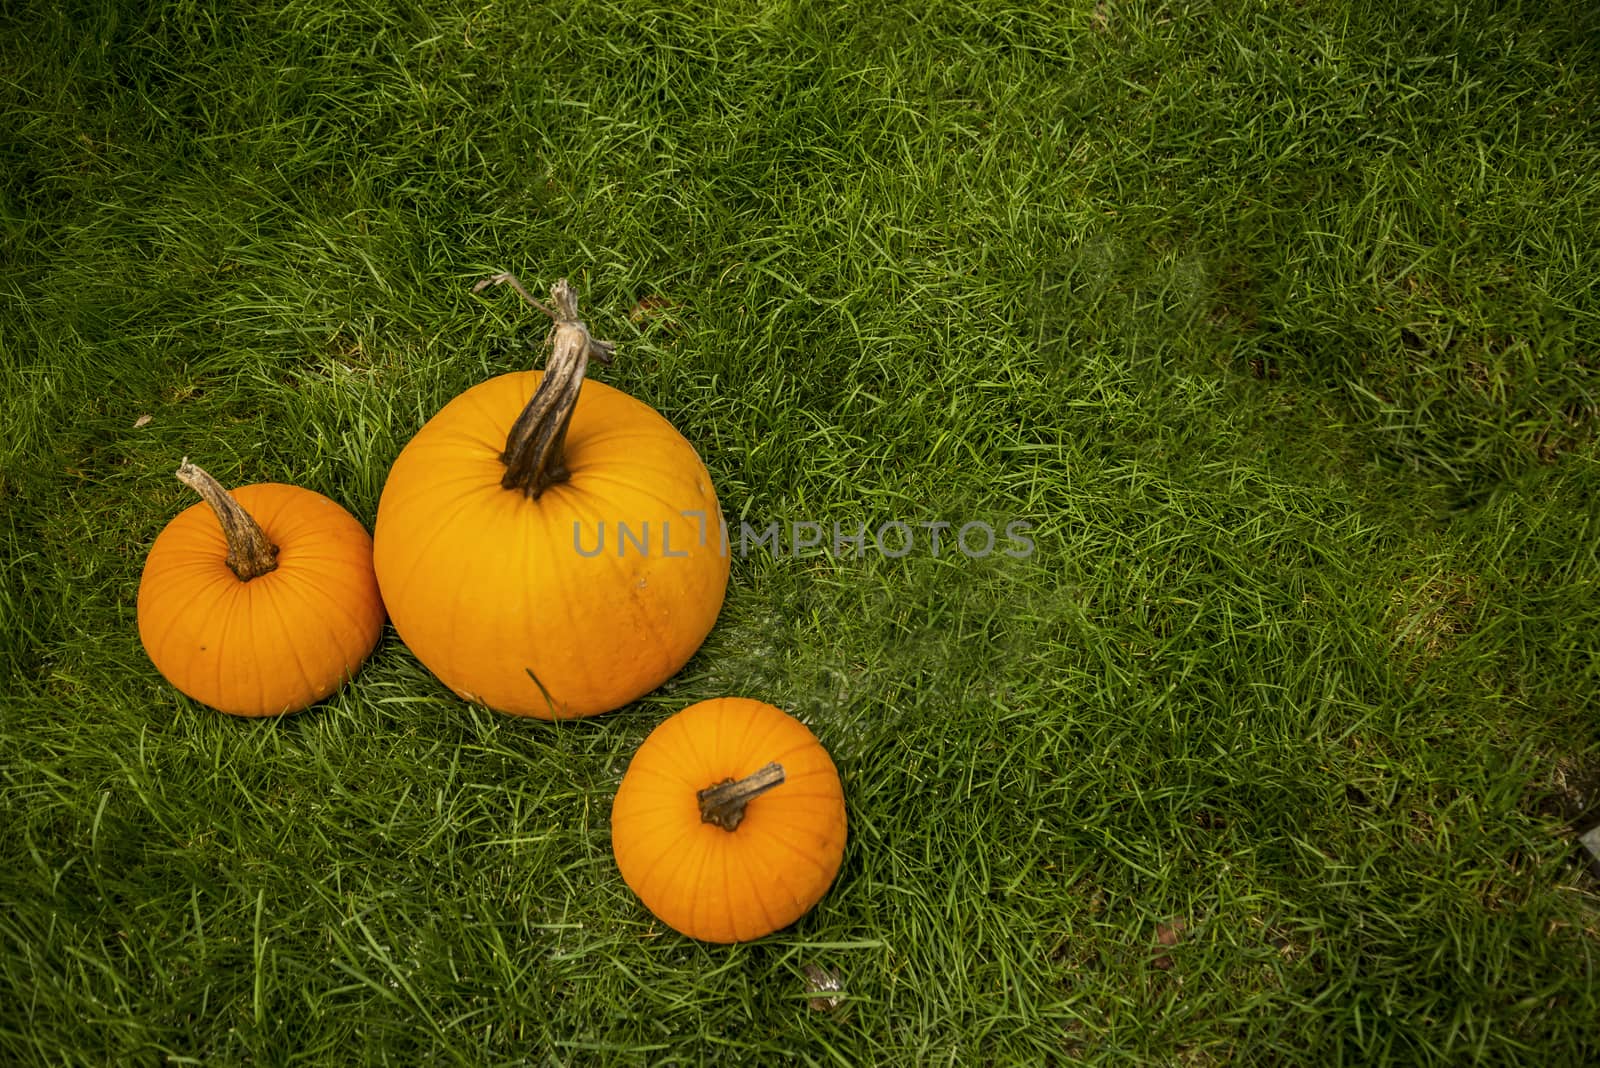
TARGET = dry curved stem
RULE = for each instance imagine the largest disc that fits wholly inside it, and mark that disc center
(534, 448)
(251, 553)
(723, 804)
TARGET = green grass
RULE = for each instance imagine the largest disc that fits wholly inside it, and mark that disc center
(1278, 321)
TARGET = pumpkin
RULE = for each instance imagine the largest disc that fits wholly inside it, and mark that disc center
(729, 822)
(549, 547)
(261, 601)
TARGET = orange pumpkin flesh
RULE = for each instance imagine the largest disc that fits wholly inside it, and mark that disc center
(703, 880)
(533, 601)
(275, 642)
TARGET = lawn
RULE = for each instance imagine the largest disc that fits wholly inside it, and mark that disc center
(1276, 325)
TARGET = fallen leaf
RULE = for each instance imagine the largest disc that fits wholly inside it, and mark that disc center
(143, 420)
(821, 984)
(649, 307)
(1168, 935)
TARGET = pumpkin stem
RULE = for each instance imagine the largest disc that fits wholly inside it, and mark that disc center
(533, 453)
(250, 552)
(723, 803)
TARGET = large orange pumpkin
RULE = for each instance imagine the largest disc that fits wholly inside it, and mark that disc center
(547, 553)
(259, 602)
(730, 822)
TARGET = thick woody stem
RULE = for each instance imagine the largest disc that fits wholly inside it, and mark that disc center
(250, 552)
(534, 448)
(723, 804)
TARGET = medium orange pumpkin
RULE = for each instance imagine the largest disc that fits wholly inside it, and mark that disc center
(259, 602)
(729, 823)
(547, 553)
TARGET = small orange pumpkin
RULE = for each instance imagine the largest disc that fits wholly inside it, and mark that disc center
(549, 554)
(258, 602)
(729, 823)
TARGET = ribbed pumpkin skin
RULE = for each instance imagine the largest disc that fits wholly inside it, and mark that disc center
(488, 587)
(281, 641)
(729, 886)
